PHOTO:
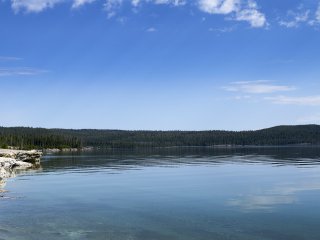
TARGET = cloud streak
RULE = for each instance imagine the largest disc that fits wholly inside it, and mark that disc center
(302, 101)
(79, 3)
(257, 87)
(151, 29)
(7, 59)
(20, 71)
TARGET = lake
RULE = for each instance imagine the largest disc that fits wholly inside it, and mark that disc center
(164, 194)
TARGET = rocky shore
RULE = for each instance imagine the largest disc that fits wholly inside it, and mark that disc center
(17, 159)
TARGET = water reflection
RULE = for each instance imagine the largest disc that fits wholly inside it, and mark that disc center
(13, 173)
(133, 159)
(271, 198)
(172, 194)
(267, 199)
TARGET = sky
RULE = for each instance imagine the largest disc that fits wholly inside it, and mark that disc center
(159, 64)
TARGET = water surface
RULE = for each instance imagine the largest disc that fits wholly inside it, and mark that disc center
(200, 193)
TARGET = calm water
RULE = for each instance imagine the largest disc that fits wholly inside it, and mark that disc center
(167, 194)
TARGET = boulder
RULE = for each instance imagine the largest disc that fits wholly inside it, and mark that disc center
(16, 159)
(32, 156)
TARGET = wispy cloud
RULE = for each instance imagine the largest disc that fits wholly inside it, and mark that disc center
(222, 30)
(242, 97)
(237, 10)
(79, 3)
(40, 5)
(33, 5)
(151, 29)
(111, 6)
(7, 59)
(20, 71)
(303, 101)
(257, 87)
(295, 19)
(299, 16)
(316, 19)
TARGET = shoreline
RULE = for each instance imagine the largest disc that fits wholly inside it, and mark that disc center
(17, 159)
(227, 146)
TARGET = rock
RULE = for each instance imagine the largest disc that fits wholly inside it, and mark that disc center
(21, 164)
(3, 173)
(16, 159)
(7, 163)
(25, 156)
(52, 150)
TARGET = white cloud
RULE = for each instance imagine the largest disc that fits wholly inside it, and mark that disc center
(173, 2)
(20, 71)
(296, 18)
(33, 5)
(79, 3)
(301, 15)
(111, 7)
(219, 6)
(302, 101)
(40, 5)
(315, 20)
(242, 11)
(257, 87)
(252, 15)
(317, 17)
(135, 2)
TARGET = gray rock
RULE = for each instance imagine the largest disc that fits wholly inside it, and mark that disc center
(25, 156)
(16, 159)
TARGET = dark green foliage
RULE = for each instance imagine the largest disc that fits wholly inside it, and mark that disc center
(4, 146)
(27, 138)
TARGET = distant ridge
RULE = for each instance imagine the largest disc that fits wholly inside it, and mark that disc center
(27, 138)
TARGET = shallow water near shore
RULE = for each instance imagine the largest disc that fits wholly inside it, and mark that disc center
(197, 193)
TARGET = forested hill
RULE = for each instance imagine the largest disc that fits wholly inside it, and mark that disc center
(27, 138)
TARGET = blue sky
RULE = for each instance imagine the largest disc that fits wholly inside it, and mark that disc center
(159, 64)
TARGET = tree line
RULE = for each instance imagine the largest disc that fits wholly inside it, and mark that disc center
(41, 138)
